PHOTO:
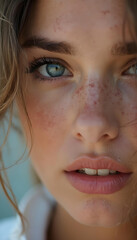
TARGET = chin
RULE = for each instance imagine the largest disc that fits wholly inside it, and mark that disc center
(100, 213)
(108, 221)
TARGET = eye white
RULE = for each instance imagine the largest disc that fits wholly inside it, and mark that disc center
(132, 70)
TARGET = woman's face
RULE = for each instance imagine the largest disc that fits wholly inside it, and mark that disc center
(83, 102)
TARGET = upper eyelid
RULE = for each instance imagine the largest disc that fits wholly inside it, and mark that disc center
(45, 60)
(129, 64)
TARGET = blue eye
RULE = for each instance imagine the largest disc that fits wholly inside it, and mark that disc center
(48, 68)
(53, 70)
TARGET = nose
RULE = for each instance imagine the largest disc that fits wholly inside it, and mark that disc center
(98, 124)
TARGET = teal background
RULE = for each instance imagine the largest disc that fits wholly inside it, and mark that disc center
(20, 175)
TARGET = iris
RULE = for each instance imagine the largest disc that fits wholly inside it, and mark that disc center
(55, 70)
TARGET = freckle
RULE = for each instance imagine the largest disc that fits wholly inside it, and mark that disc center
(105, 12)
(115, 26)
(79, 90)
(58, 23)
(92, 85)
(117, 94)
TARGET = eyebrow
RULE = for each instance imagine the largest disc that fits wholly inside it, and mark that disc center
(118, 49)
(124, 48)
(49, 45)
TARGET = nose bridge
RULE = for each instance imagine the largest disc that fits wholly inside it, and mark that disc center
(96, 116)
(95, 96)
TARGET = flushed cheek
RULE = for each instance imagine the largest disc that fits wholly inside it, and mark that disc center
(129, 112)
(127, 102)
(127, 105)
(50, 120)
(49, 126)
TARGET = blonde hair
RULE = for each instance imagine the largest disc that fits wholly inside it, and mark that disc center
(13, 15)
(12, 18)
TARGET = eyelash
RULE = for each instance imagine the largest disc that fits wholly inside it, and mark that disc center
(131, 64)
(37, 63)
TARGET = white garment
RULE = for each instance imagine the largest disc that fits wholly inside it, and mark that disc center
(37, 207)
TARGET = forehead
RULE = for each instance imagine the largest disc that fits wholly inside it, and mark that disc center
(68, 16)
(90, 26)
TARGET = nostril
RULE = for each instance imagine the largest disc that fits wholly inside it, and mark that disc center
(79, 135)
(106, 136)
(95, 130)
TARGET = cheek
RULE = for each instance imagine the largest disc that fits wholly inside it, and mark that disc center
(47, 121)
(127, 109)
(51, 122)
(49, 127)
(128, 103)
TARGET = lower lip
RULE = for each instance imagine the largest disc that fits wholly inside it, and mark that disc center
(98, 184)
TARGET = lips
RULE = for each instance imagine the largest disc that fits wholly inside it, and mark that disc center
(103, 162)
(97, 184)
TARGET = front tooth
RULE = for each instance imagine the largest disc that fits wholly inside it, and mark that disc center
(103, 172)
(112, 171)
(90, 171)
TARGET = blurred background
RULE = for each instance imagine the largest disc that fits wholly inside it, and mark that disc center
(20, 175)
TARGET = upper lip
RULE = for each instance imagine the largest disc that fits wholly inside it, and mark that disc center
(102, 162)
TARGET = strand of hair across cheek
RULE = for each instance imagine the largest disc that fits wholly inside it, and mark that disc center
(12, 17)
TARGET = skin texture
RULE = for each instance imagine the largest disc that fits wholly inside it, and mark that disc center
(92, 112)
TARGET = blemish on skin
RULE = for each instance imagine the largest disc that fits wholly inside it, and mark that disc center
(114, 27)
(92, 85)
(116, 94)
(95, 102)
(105, 12)
(79, 90)
(57, 25)
(105, 86)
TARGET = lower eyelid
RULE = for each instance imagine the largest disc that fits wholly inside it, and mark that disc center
(60, 79)
(51, 83)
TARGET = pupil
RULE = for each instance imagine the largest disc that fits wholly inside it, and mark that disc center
(55, 70)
